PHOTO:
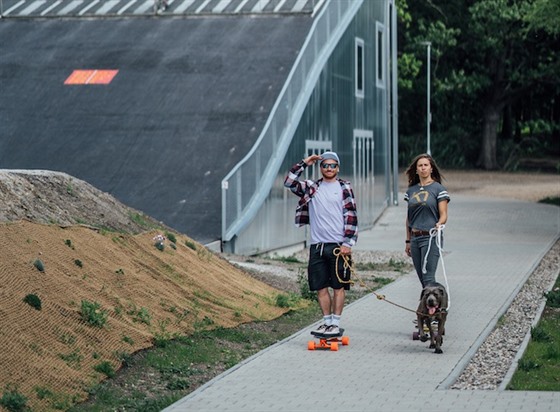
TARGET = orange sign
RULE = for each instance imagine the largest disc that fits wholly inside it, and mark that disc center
(91, 77)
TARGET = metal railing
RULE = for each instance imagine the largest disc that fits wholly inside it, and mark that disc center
(248, 184)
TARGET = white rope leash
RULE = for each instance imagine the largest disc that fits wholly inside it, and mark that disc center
(437, 233)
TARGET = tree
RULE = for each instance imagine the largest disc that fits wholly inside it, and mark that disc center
(507, 64)
(544, 15)
(489, 56)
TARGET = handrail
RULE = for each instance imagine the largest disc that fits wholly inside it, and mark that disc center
(265, 157)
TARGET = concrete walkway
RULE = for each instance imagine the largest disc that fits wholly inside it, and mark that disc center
(492, 246)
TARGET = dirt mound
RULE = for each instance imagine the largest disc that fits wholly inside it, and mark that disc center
(77, 301)
(44, 196)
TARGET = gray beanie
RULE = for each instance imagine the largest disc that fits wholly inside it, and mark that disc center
(329, 155)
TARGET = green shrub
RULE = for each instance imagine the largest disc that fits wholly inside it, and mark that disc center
(398, 265)
(304, 287)
(13, 401)
(538, 334)
(190, 244)
(382, 281)
(552, 352)
(72, 359)
(527, 365)
(93, 314)
(553, 298)
(287, 259)
(178, 384)
(161, 340)
(33, 301)
(143, 316)
(124, 357)
(551, 200)
(105, 368)
(39, 265)
(171, 237)
(284, 300)
(128, 339)
(204, 323)
(78, 263)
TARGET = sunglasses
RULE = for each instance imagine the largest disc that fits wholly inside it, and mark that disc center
(329, 165)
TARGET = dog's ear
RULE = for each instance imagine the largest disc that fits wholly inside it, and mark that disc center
(444, 301)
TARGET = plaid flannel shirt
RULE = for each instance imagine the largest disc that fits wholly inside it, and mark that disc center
(306, 189)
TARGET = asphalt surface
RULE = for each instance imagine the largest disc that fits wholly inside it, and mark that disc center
(189, 100)
(491, 245)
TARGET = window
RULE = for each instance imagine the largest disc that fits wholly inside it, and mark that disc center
(359, 64)
(380, 55)
(363, 178)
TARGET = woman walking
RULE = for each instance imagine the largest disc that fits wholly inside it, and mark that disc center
(427, 209)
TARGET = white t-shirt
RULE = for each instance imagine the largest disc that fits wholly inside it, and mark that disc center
(325, 214)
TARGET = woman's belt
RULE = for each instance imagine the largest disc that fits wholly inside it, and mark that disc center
(416, 233)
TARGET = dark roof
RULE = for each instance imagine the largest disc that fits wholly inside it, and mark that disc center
(189, 100)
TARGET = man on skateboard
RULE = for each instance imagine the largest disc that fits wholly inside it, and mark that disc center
(329, 207)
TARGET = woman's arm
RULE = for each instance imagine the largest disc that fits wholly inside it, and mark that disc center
(442, 209)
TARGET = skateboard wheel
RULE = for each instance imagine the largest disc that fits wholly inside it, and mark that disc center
(311, 345)
(345, 340)
(415, 336)
(334, 346)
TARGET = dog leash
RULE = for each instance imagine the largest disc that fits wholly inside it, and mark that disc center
(348, 265)
(437, 234)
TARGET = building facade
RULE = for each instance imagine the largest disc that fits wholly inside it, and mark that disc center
(341, 95)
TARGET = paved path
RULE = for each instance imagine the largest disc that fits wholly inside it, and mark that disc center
(492, 246)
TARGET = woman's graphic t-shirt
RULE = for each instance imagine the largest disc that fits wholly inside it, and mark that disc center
(423, 212)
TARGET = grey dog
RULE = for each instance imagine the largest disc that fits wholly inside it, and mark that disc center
(433, 307)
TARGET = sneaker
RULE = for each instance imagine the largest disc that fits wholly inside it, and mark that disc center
(320, 330)
(332, 330)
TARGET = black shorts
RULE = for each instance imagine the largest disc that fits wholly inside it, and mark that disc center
(322, 271)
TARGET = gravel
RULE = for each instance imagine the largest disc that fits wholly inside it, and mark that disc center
(495, 360)
(286, 274)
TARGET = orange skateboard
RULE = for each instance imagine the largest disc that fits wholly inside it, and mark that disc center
(328, 342)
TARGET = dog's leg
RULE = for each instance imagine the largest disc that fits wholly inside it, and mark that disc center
(421, 330)
(433, 337)
(420, 324)
(442, 322)
(439, 337)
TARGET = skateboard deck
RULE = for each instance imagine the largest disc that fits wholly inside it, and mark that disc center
(328, 342)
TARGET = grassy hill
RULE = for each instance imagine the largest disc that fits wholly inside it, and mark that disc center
(86, 281)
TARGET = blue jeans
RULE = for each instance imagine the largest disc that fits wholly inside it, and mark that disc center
(418, 250)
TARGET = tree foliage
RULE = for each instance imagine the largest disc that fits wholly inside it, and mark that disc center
(495, 76)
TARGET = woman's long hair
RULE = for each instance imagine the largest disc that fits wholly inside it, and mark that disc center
(413, 177)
